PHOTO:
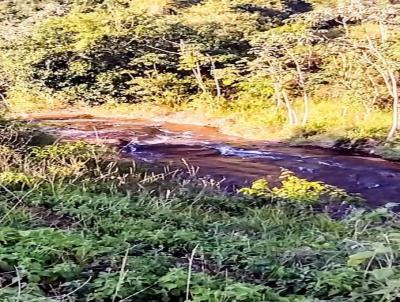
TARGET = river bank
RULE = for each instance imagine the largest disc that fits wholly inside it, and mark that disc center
(231, 160)
(77, 227)
(228, 126)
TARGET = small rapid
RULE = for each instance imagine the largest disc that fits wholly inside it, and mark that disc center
(235, 160)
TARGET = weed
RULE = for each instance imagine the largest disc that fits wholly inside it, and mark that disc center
(154, 243)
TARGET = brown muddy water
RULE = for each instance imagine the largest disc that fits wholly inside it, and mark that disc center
(235, 160)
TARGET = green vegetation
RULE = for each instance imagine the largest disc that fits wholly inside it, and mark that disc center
(76, 225)
(266, 68)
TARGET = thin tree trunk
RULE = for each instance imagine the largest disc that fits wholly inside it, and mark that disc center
(396, 110)
(196, 70)
(199, 78)
(302, 83)
(306, 114)
(4, 101)
(383, 32)
(291, 113)
(216, 80)
(389, 77)
(278, 96)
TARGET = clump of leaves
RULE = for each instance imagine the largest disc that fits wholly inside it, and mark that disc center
(12, 179)
(298, 190)
(79, 150)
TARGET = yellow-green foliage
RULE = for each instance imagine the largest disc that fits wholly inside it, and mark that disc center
(80, 150)
(295, 189)
(27, 160)
(303, 191)
(253, 63)
(6, 151)
(258, 188)
(65, 161)
(219, 18)
(16, 179)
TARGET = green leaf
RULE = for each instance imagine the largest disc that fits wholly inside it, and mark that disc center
(379, 248)
(360, 258)
(382, 273)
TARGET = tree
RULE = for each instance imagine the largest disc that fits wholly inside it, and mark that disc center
(284, 55)
(389, 71)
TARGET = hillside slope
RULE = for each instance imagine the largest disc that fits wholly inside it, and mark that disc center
(266, 67)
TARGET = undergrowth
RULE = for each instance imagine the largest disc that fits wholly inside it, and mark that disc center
(75, 227)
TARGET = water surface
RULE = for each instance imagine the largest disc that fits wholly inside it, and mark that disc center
(235, 160)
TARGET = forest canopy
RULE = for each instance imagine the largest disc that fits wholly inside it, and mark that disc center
(280, 62)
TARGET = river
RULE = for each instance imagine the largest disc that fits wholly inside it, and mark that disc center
(234, 160)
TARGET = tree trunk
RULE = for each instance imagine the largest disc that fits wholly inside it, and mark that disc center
(4, 101)
(199, 78)
(306, 108)
(302, 82)
(291, 113)
(278, 96)
(389, 76)
(216, 80)
(396, 108)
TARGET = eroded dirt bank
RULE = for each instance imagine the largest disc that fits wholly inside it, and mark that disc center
(225, 127)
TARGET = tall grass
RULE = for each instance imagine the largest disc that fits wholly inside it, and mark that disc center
(77, 226)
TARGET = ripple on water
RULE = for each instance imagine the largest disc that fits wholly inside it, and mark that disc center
(236, 160)
(232, 151)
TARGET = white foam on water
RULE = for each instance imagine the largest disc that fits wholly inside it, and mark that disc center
(158, 139)
(177, 139)
(231, 151)
(304, 169)
(185, 134)
(330, 164)
(143, 156)
(75, 133)
(146, 159)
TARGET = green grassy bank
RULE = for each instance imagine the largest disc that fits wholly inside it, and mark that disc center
(77, 225)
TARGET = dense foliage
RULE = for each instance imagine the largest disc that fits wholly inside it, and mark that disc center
(321, 66)
(77, 226)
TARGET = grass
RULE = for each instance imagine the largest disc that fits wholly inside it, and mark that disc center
(330, 126)
(74, 227)
(249, 118)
